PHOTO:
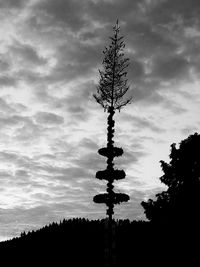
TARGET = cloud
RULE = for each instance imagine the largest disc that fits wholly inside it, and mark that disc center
(131, 209)
(76, 104)
(13, 4)
(109, 11)
(165, 11)
(21, 161)
(4, 175)
(90, 161)
(174, 67)
(26, 54)
(4, 65)
(29, 131)
(136, 69)
(141, 123)
(15, 221)
(48, 118)
(88, 144)
(189, 130)
(5, 107)
(61, 13)
(154, 49)
(73, 60)
(7, 80)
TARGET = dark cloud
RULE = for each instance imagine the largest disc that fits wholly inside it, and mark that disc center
(90, 161)
(136, 69)
(141, 123)
(157, 48)
(74, 60)
(76, 103)
(6, 108)
(130, 158)
(29, 131)
(61, 14)
(30, 76)
(88, 144)
(154, 32)
(62, 148)
(25, 53)
(27, 169)
(47, 118)
(61, 173)
(4, 175)
(171, 105)
(4, 65)
(110, 11)
(8, 80)
(174, 67)
(166, 11)
(13, 4)
(13, 121)
(15, 158)
(159, 42)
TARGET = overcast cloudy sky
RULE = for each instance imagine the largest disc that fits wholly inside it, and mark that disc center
(50, 125)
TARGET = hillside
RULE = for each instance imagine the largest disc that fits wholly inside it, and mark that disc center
(82, 242)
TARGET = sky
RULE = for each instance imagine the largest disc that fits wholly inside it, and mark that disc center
(50, 125)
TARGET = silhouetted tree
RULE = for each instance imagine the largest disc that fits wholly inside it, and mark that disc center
(113, 83)
(110, 95)
(181, 201)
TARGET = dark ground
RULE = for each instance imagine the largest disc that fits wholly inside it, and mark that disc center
(80, 242)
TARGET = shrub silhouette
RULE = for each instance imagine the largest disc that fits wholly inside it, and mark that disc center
(180, 203)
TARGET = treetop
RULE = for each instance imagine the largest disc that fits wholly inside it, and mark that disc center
(113, 83)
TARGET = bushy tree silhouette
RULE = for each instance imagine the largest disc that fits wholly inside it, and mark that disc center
(180, 203)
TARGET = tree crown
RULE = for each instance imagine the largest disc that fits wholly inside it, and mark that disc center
(113, 82)
(182, 176)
